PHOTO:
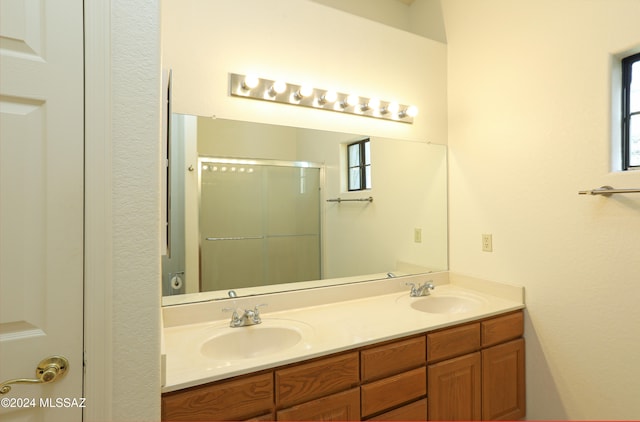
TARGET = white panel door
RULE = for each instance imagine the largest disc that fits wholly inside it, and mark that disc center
(41, 205)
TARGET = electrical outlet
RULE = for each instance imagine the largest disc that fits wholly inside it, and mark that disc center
(487, 243)
(417, 235)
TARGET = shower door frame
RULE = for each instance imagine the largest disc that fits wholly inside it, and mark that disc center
(262, 162)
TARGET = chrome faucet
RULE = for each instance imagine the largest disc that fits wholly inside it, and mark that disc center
(421, 290)
(244, 318)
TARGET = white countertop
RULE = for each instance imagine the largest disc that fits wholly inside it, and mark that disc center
(326, 328)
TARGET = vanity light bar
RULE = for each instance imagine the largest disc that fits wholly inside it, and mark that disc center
(252, 87)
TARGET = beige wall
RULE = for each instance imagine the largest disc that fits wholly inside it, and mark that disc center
(529, 126)
(298, 41)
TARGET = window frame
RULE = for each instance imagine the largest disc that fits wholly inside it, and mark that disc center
(627, 65)
(362, 165)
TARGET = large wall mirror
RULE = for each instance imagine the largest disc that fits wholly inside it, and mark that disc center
(258, 208)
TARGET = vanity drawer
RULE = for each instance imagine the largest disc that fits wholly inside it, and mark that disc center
(416, 411)
(392, 358)
(228, 400)
(343, 406)
(386, 393)
(453, 342)
(265, 417)
(501, 329)
(301, 383)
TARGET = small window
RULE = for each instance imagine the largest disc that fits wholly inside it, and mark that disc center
(359, 165)
(631, 112)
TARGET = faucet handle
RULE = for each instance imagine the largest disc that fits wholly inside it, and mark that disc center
(256, 312)
(413, 287)
(253, 315)
(235, 318)
(428, 285)
(235, 315)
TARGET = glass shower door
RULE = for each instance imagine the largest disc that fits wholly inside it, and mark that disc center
(259, 223)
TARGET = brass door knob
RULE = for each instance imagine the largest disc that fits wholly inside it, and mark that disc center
(48, 370)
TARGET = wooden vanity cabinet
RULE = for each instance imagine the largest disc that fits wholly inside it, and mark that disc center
(476, 371)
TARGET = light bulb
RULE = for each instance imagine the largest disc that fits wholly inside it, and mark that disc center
(411, 111)
(303, 91)
(328, 97)
(250, 82)
(390, 108)
(352, 100)
(279, 87)
(373, 103)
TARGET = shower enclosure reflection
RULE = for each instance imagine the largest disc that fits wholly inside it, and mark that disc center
(287, 230)
(259, 222)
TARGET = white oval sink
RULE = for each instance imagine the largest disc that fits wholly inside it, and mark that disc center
(254, 341)
(446, 304)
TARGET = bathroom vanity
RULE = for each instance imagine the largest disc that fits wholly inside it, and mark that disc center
(461, 358)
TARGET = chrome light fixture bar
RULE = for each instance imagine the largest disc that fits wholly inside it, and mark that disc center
(253, 87)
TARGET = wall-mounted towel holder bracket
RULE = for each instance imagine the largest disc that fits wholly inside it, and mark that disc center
(607, 191)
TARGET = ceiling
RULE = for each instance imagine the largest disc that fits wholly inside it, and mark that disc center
(422, 17)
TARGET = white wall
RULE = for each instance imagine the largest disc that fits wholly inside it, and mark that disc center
(133, 250)
(301, 41)
(529, 126)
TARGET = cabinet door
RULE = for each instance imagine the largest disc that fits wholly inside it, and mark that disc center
(503, 381)
(343, 406)
(454, 388)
